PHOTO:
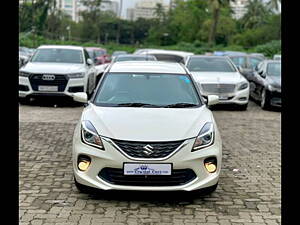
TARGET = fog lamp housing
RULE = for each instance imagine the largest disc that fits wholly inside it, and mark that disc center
(210, 164)
(83, 163)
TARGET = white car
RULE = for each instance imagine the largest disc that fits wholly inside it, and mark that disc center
(57, 71)
(146, 128)
(166, 55)
(217, 75)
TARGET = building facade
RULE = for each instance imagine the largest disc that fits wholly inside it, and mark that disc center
(239, 8)
(145, 9)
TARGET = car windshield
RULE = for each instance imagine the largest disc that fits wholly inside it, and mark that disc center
(274, 69)
(210, 65)
(58, 55)
(134, 58)
(147, 90)
(100, 53)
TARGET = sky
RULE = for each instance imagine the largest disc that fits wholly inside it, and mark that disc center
(131, 4)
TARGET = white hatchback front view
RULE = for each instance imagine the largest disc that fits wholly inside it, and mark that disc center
(146, 128)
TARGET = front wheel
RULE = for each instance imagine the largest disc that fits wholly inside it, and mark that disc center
(264, 103)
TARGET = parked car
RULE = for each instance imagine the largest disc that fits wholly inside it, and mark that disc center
(258, 55)
(57, 70)
(98, 55)
(246, 64)
(277, 57)
(167, 55)
(266, 85)
(116, 53)
(146, 128)
(132, 57)
(217, 75)
(228, 53)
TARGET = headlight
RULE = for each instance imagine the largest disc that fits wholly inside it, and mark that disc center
(243, 86)
(205, 137)
(90, 136)
(23, 74)
(76, 75)
(272, 88)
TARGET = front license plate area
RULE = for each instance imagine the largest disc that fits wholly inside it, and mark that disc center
(48, 88)
(147, 169)
(223, 97)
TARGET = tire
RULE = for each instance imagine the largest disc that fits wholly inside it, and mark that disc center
(264, 102)
(243, 107)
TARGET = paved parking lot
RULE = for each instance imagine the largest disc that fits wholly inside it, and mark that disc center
(249, 190)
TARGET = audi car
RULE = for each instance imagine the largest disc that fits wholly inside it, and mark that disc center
(57, 71)
(146, 128)
(217, 75)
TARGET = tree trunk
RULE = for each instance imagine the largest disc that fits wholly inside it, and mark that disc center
(213, 30)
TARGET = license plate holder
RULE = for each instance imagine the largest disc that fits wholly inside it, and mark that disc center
(157, 169)
(47, 88)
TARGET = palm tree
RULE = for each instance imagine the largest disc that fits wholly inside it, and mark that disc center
(256, 14)
(216, 6)
(274, 4)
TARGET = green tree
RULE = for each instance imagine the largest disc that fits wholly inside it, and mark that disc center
(256, 15)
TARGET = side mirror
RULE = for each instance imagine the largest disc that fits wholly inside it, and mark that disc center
(80, 97)
(240, 69)
(212, 99)
(89, 61)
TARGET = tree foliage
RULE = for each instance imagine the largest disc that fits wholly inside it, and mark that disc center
(193, 24)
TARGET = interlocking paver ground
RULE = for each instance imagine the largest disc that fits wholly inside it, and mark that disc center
(249, 190)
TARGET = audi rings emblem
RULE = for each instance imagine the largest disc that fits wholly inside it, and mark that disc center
(48, 77)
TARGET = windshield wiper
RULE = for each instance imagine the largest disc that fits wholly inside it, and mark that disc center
(180, 105)
(137, 104)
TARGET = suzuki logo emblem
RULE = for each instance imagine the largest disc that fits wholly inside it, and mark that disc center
(48, 77)
(148, 149)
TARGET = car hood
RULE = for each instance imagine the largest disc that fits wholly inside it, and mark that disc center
(218, 77)
(274, 81)
(55, 68)
(147, 124)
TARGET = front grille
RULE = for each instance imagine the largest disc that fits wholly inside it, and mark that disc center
(218, 88)
(116, 176)
(137, 150)
(60, 81)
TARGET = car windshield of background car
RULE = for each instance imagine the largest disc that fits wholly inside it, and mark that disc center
(149, 88)
(58, 55)
(210, 65)
(274, 69)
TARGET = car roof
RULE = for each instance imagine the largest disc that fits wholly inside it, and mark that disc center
(61, 46)
(167, 52)
(134, 55)
(95, 48)
(210, 56)
(148, 67)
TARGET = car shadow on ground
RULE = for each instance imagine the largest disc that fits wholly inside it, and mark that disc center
(47, 101)
(155, 197)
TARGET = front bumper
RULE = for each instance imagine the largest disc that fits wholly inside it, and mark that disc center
(26, 89)
(238, 97)
(275, 98)
(113, 158)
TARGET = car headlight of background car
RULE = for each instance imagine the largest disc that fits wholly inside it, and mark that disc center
(76, 75)
(243, 86)
(24, 74)
(90, 136)
(205, 137)
(272, 88)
